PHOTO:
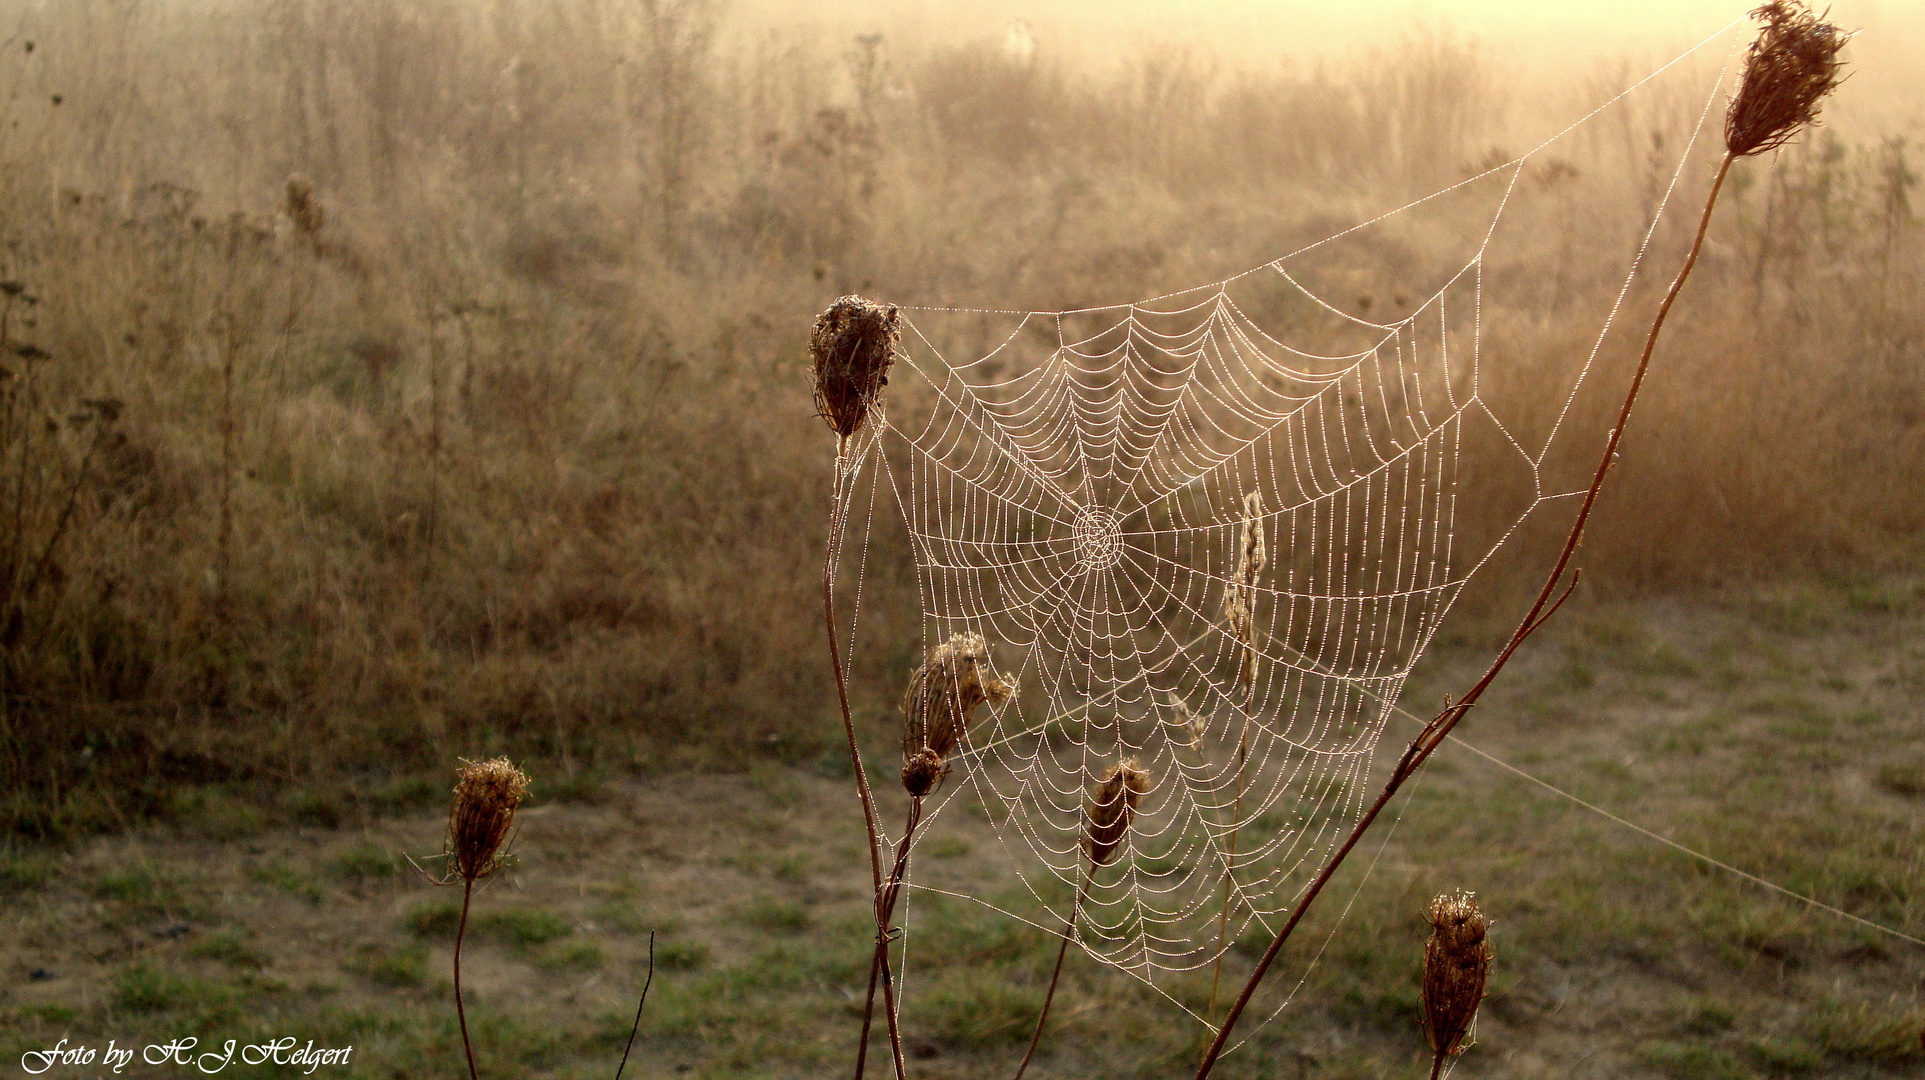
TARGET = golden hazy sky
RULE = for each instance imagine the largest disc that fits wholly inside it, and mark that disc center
(1544, 36)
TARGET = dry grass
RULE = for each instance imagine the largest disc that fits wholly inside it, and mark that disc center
(1753, 725)
(490, 431)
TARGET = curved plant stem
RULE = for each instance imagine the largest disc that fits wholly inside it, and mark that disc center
(879, 966)
(1069, 930)
(638, 1007)
(838, 519)
(1230, 857)
(1549, 599)
(461, 1011)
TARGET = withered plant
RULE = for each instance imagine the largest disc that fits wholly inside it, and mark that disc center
(851, 350)
(1239, 617)
(944, 692)
(1457, 960)
(1789, 69)
(481, 819)
(1106, 825)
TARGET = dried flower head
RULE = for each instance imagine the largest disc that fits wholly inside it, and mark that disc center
(1788, 71)
(922, 770)
(852, 348)
(1456, 960)
(482, 815)
(1113, 808)
(944, 692)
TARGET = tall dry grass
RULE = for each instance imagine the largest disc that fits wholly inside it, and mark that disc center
(492, 431)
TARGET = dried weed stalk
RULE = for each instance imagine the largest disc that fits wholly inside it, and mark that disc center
(1112, 809)
(1106, 824)
(1792, 65)
(852, 348)
(1239, 616)
(1240, 597)
(1789, 69)
(1457, 959)
(480, 820)
(945, 690)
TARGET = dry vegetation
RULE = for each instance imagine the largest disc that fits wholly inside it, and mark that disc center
(1771, 726)
(489, 430)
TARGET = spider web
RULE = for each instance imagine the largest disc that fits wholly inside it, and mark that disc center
(1211, 532)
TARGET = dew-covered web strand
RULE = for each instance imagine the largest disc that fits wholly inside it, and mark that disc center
(1017, 492)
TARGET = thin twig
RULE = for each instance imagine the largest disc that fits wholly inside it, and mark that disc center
(1547, 603)
(837, 520)
(878, 966)
(1049, 995)
(638, 1006)
(461, 1011)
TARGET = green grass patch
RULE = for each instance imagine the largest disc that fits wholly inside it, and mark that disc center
(946, 847)
(288, 879)
(1694, 1061)
(519, 926)
(674, 955)
(775, 916)
(364, 861)
(145, 989)
(231, 946)
(404, 966)
(1859, 1031)
(1905, 778)
(977, 1008)
(574, 953)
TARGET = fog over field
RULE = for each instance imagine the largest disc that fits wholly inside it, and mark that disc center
(391, 383)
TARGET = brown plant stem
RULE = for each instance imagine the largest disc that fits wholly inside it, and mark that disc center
(461, 1011)
(1546, 605)
(837, 520)
(1049, 995)
(1229, 861)
(639, 1005)
(879, 966)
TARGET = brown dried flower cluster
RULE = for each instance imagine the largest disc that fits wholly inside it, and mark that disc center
(1113, 809)
(1457, 958)
(944, 692)
(1789, 70)
(852, 348)
(482, 815)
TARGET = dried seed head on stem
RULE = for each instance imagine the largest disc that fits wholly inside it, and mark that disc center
(1240, 598)
(1112, 809)
(945, 690)
(852, 349)
(1789, 69)
(482, 815)
(1457, 959)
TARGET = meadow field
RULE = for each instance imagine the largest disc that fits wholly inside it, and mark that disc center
(388, 382)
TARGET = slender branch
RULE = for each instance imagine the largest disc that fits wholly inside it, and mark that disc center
(1440, 726)
(1230, 855)
(650, 981)
(461, 1011)
(879, 965)
(1069, 929)
(837, 520)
